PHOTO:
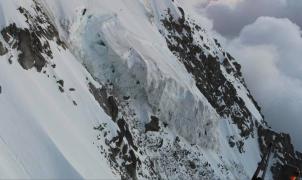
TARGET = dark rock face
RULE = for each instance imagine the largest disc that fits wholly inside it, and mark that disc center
(130, 156)
(121, 147)
(206, 69)
(108, 103)
(112, 107)
(35, 22)
(284, 151)
(61, 82)
(153, 124)
(32, 42)
(3, 49)
(207, 72)
(28, 43)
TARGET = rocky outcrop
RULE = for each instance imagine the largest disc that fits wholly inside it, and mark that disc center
(153, 125)
(3, 49)
(107, 102)
(206, 65)
(206, 69)
(28, 44)
(283, 150)
(32, 42)
(121, 146)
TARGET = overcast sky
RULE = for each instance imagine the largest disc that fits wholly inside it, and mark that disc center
(265, 37)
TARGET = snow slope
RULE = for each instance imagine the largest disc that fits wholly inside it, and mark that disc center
(108, 89)
(43, 134)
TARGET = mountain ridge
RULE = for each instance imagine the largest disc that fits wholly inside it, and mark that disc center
(148, 93)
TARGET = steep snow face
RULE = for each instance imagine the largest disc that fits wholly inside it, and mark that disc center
(139, 65)
(43, 134)
(160, 115)
(126, 88)
(141, 68)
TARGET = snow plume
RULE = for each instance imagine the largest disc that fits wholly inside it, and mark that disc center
(230, 18)
(270, 51)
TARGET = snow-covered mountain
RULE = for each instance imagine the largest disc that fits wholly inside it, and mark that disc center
(131, 89)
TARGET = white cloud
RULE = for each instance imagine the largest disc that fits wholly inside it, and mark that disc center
(284, 36)
(229, 20)
(270, 51)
